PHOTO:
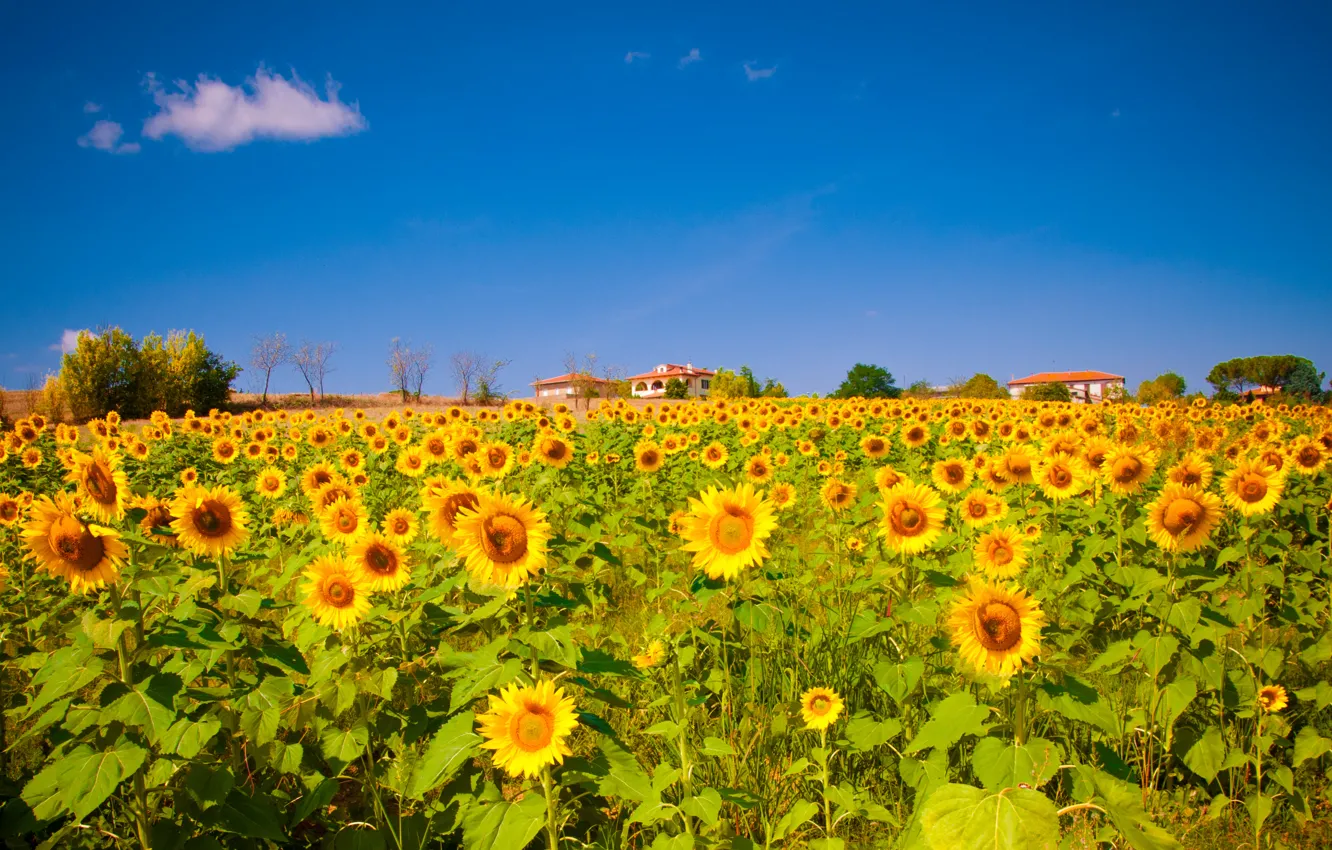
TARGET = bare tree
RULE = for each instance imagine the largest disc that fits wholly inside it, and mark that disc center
(400, 366)
(269, 352)
(465, 365)
(472, 370)
(421, 360)
(311, 360)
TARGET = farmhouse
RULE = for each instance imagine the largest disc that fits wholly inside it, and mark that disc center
(653, 384)
(568, 386)
(1088, 387)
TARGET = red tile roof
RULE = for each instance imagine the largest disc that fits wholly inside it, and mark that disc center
(1064, 377)
(568, 378)
(675, 370)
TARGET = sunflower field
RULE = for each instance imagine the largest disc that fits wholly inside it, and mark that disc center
(712, 624)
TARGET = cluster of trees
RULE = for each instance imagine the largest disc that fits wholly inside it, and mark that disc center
(311, 359)
(1286, 373)
(109, 370)
(741, 384)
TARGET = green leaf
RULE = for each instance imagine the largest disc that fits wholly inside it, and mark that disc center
(898, 680)
(1178, 695)
(60, 681)
(1207, 754)
(504, 826)
(1158, 651)
(959, 817)
(716, 747)
(245, 603)
(1113, 657)
(705, 805)
(252, 817)
(89, 776)
(596, 661)
(1260, 807)
(865, 732)
(1123, 802)
(454, 743)
(44, 793)
(1000, 764)
(316, 798)
(624, 777)
(208, 786)
(140, 710)
(359, 838)
(796, 816)
(186, 738)
(1309, 745)
(950, 720)
(343, 746)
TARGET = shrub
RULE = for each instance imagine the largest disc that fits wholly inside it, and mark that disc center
(1053, 391)
(676, 388)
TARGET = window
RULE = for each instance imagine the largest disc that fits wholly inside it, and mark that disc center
(705, 383)
(641, 388)
(657, 385)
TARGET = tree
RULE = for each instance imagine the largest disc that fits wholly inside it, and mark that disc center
(1277, 371)
(773, 389)
(1305, 380)
(727, 384)
(311, 361)
(980, 385)
(399, 363)
(676, 389)
(1052, 391)
(422, 359)
(919, 389)
(471, 369)
(269, 352)
(867, 381)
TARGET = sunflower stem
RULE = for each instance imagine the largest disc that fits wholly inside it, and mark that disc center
(827, 817)
(552, 829)
(531, 628)
(127, 677)
(682, 737)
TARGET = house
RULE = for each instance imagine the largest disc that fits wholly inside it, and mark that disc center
(1089, 387)
(653, 384)
(569, 386)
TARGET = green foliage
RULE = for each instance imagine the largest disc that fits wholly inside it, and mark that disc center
(867, 381)
(1280, 371)
(1165, 386)
(1052, 391)
(676, 389)
(743, 384)
(981, 385)
(109, 371)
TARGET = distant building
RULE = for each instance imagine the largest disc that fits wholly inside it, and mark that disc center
(653, 384)
(1086, 387)
(568, 386)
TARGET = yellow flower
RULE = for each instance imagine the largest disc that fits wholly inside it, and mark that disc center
(401, 525)
(502, 540)
(714, 455)
(648, 457)
(344, 520)
(271, 483)
(782, 495)
(1127, 468)
(996, 630)
(442, 504)
(379, 562)
(1252, 487)
(951, 476)
(10, 509)
(87, 556)
(101, 482)
(726, 530)
(1001, 553)
(1272, 698)
(411, 462)
(209, 522)
(1061, 476)
(335, 594)
(554, 451)
(980, 508)
(652, 656)
(1182, 517)
(913, 516)
(838, 495)
(820, 707)
(527, 727)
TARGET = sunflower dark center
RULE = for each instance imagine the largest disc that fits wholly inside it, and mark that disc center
(1181, 516)
(532, 729)
(1126, 469)
(338, 591)
(212, 518)
(1001, 553)
(504, 539)
(75, 544)
(732, 530)
(908, 520)
(998, 627)
(100, 484)
(1253, 488)
(381, 560)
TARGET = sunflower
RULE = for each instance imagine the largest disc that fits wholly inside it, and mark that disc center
(31, 457)
(1001, 553)
(400, 526)
(209, 522)
(497, 458)
(225, 450)
(316, 475)
(101, 482)
(838, 495)
(331, 492)
(502, 540)
(1307, 455)
(1017, 464)
(1182, 517)
(979, 508)
(554, 451)
(189, 475)
(157, 517)
(726, 530)
(820, 707)
(782, 495)
(886, 478)
(271, 483)
(343, 521)
(10, 510)
(1127, 468)
(442, 504)
(874, 446)
(379, 562)
(652, 656)
(648, 456)
(913, 517)
(1192, 469)
(352, 460)
(1272, 698)
(412, 462)
(915, 436)
(87, 556)
(1061, 476)
(527, 726)
(996, 630)
(335, 593)
(951, 476)
(1252, 487)
(715, 455)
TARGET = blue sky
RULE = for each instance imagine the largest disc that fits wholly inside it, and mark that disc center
(936, 188)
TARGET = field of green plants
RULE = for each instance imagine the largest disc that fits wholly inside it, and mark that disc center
(757, 623)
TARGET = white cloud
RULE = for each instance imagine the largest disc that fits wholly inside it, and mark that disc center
(91, 107)
(105, 136)
(691, 57)
(69, 340)
(758, 73)
(635, 54)
(213, 116)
